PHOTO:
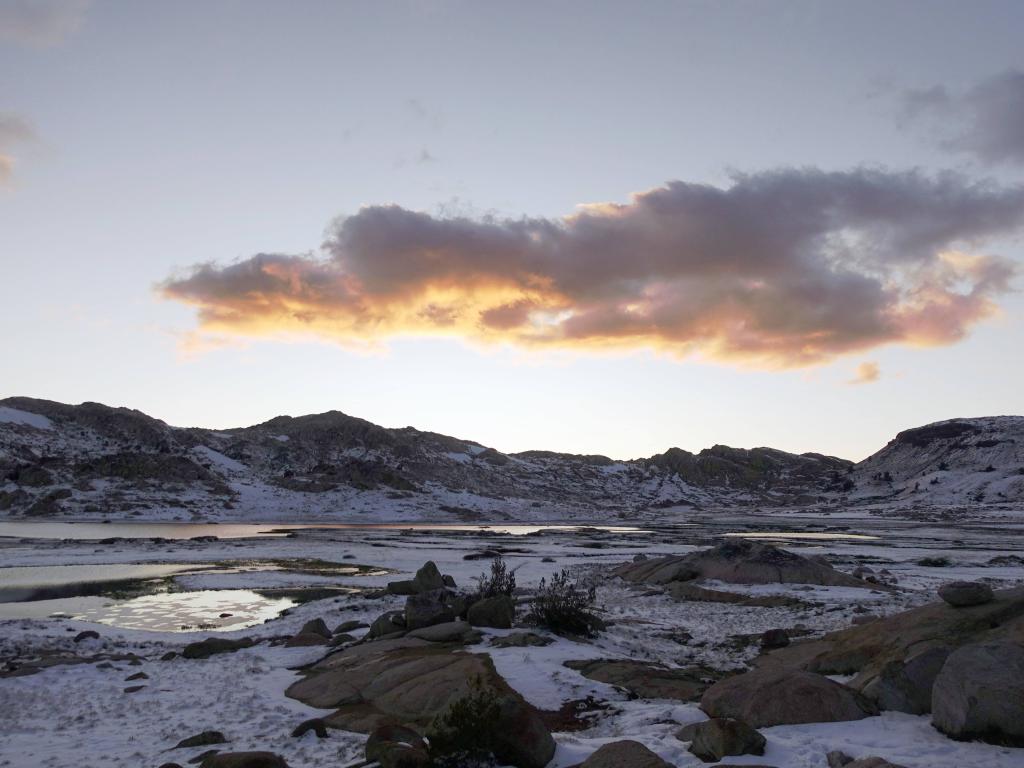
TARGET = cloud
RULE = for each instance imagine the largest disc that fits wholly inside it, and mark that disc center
(986, 120)
(866, 373)
(784, 268)
(40, 22)
(13, 131)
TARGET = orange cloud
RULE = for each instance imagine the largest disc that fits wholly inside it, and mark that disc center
(781, 269)
(866, 373)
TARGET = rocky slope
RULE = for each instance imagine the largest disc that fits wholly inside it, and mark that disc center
(955, 462)
(93, 461)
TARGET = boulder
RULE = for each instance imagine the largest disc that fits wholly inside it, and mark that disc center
(204, 649)
(411, 682)
(963, 594)
(427, 579)
(204, 739)
(449, 632)
(979, 694)
(395, 746)
(865, 650)
(714, 739)
(738, 561)
(906, 686)
(498, 612)
(244, 760)
(624, 754)
(436, 606)
(645, 680)
(387, 624)
(315, 627)
(767, 697)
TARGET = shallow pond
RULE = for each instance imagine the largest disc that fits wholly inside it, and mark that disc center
(27, 583)
(163, 612)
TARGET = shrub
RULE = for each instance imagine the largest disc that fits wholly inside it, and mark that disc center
(564, 607)
(502, 581)
(464, 735)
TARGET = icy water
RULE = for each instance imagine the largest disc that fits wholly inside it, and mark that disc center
(27, 583)
(208, 609)
(96, 531)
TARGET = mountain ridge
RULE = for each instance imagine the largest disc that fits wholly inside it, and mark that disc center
(93, 461)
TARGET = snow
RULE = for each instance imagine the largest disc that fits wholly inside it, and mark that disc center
(55, 717)
(222, 461)
(15, 416)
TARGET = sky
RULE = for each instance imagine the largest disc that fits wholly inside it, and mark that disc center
(590, 227)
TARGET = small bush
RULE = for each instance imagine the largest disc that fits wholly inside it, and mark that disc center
(564, 607)
(502, 581)
(464, 736)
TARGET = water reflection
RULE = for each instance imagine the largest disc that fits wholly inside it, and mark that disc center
(178, 531)
(213, 609)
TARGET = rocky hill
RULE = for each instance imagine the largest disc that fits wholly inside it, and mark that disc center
(955, 462)
(92, 461)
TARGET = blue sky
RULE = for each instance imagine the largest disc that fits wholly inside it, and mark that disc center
(166, 135)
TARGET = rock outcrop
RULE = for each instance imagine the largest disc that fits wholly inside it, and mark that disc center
(764, 698)
(412, 682)
(714, 739)
(738, 561)
(979, 694)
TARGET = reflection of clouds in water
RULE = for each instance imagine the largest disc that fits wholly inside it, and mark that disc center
(172, 611)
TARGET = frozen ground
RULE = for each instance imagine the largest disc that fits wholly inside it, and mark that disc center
(70, 713)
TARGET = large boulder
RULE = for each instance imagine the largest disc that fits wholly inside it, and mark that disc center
(711, 740)
(387, 624)
(427, 579)
(498, 612)
(766, 697)
(624, 754)
(865, 650)
(436, 606)
(980, 694)
(963, 594)
(315, 627)
(646, 680)
(448, 632)
(738, 561)
(906, 686)
(413, 682)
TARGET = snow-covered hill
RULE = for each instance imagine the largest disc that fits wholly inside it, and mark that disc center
(955, 462)
(92, 461)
